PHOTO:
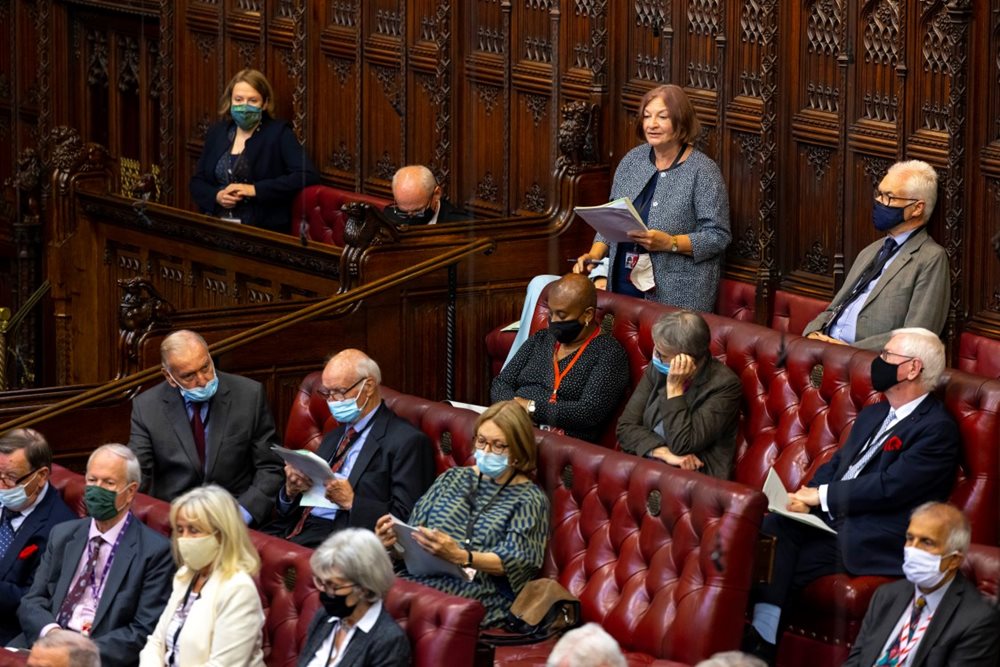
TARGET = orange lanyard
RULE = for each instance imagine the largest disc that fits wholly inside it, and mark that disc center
(555, 364)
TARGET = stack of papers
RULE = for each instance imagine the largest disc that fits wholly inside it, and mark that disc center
(613, 220)
(316, 469)
(777, 502)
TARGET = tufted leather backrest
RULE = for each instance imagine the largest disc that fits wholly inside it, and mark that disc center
(321, 207)
(655, 554)
(979, 355)
(801, 396)
(439, 626)
(792, 312)
(736, 300)
(982, 567)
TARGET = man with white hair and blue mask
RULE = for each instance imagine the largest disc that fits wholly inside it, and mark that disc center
(935, 616)
(201, 426)
(381, 463)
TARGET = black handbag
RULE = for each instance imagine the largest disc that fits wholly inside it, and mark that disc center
(542, 609)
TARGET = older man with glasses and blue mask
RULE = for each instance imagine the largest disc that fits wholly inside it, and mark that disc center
(900, 280)
(202, 426)
(900, 453)
(381, 463)
(29, 508)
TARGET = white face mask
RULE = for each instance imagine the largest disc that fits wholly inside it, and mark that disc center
(923, 568)
(197, 552)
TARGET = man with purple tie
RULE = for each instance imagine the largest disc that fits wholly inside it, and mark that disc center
(107, 576)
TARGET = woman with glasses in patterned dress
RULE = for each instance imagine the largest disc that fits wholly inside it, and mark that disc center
(489, 518)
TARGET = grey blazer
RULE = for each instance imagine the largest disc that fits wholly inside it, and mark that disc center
(912, 292)
(702, 422)
(136, 591)
(965, 630)
(385, 646)
(690, 199)
(240, 435)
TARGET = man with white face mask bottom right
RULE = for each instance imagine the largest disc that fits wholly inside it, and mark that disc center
(381, 463)
(935, 616)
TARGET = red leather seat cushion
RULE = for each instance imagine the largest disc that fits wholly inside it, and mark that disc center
(792, 312)
(979, 355)
(320, 205)
(736, 300)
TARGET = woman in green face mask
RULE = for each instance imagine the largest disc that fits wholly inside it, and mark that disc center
(214, 615)
(252, 165)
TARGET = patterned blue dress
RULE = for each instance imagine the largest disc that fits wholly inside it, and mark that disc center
(514, 526)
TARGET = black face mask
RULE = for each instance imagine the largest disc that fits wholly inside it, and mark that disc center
(336, 605)
(567, 331)
(884, 375)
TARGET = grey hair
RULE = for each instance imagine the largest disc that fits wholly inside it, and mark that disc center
(366, 367)
(82, 651)
(587, 646)
(177, 341)
(921, 182)
(959, 528)
(132, 471)
(418, 172)
(925, 346)
(358, 556)
(685, 331)
(36, 448)
(732, 659)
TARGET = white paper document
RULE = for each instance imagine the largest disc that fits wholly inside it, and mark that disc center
(419, 561)
(479, 409)
(777, 501)
(316, 469)
(613, 220)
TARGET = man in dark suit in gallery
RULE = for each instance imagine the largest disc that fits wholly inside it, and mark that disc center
(900, 453)
(899, 281)
(31, 507)
(107, 576)
(935, 616)
(417, 199)
(381, 462)
(202, 426)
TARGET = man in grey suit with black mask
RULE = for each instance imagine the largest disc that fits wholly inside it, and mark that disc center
(899, 281)
(201, 426)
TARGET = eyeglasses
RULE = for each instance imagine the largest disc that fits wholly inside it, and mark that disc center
(416, 213)
(337, 394)
(329, 587)
(887, 198)
(885, 354)
(9, 480)
(495, 447)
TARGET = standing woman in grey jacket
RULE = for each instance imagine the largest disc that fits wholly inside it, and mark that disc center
(680, 194)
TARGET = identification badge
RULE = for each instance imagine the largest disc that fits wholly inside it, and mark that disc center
(630, 260)
(552, 429)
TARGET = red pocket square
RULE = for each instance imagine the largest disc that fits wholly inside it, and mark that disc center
(893, 444)
(27, 552)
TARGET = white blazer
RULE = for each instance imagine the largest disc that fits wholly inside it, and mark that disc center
(223, 628)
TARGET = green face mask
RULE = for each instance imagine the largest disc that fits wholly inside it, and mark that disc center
(100, 502)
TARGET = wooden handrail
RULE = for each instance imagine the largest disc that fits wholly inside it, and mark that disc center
(253, 334)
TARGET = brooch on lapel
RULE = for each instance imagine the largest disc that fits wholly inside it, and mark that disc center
(893, 444)
(27, 552)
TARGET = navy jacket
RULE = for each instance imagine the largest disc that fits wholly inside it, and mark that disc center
(279, 169)
(871, 512)
(18, 565)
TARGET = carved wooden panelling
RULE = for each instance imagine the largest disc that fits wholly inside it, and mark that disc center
(879, 88)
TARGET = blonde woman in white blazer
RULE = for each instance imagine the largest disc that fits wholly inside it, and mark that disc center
(214, 617)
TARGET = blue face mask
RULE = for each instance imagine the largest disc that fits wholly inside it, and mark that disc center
(886, 217)
(347, 411)
(201, 394)
(245, 116)
(491, 465)
(660, 366)
(14, 499)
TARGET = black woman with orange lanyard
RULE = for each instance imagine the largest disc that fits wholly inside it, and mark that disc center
(569, 377)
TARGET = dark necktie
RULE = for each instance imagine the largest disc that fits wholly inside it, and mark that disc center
(336, 463)
(198, 431)
(75, 594)
(891, 656)
(871, 272)
(7, 530)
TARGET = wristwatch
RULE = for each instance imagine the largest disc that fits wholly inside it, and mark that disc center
(468, 563)
(531, 408)
(673, 244)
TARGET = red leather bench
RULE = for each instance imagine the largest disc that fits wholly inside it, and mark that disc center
(633, 539)
(441, 627)
(794, 417)
(320, 206)
(979, 355)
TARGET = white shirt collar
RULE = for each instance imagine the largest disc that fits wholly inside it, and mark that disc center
(904, 411)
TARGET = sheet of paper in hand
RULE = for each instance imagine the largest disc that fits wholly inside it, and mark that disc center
(613, 220)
